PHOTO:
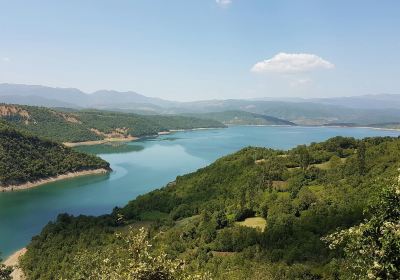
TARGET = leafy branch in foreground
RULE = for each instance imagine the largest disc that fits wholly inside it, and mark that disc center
(372, 248)
(5, 272)
(130, 258)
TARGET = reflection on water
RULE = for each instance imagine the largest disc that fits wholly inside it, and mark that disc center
(139, 167)
(110, 148)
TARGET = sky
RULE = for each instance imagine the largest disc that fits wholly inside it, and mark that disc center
(204, 49)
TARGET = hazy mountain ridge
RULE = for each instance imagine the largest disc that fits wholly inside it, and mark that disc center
(72, 97)
(361, 110)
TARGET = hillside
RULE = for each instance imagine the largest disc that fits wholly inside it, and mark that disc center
(92, 125)
(242, 118)
(293, 199)
(363, 110)
(299, 112)
(71, 97)
(25, 158)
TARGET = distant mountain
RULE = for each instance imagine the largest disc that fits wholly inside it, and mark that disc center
(302, 113)
(75, 98)
(377, 101)
(242, 118)
(371, 101)
(361, 110)
(34, 92)
(106, 97)
(35, 101)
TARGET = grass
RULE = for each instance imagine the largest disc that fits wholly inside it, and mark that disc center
(255, 222)
(326, 165)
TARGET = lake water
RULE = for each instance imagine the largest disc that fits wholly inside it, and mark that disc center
(139, 167)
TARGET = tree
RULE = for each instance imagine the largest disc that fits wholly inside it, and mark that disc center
(334, 162)
(372, 248)
(130, 258)
(361, 158)
(221, 219)
(272, 170)
(5, 271)
(303, 157)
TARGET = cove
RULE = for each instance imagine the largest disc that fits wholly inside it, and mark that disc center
(142, 166)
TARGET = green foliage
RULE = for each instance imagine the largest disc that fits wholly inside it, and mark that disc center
(242, 118)
(361, 158)
(372, 248)
(199, 211)
(129, 257)
(25, 158)
(235, 239)
(5, 271)
(90, 125)
(303, 157)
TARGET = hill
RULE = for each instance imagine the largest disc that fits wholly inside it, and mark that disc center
(372, 101)
(362, 110)
(25, 158)
(297, 197)
(71, 97)
(301, 113)
(91, 125)
(242, 118)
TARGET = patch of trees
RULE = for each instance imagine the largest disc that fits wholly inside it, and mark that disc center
(25, 158)
(321, 189)
(77, 126)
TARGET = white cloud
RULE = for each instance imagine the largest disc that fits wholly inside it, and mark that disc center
(5, 59)
(224, 3)
(287, 63)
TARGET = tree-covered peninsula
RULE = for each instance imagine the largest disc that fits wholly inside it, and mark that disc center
(313, 212)
(28, 159)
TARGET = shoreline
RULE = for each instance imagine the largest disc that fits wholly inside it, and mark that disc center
(61, 177)
(195, 129)
(13, 261)
(131, 138)
(160, 133)
(327, 126)
(98, 142)
(369, 127)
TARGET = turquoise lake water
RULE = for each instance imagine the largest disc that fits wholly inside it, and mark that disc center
(139, 167)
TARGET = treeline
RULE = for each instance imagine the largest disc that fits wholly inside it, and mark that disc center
(238, 117)
(26, 158)
(89, 125)
(304, 195)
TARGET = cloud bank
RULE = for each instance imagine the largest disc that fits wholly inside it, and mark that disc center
(289, 63)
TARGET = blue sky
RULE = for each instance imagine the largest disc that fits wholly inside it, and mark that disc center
(202, 49)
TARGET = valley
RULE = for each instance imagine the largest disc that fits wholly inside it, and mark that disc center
(139, 167)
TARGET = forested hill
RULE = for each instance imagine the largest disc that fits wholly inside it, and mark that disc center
(25, 158)
(256, 214)
(80, 126)
(242, 118)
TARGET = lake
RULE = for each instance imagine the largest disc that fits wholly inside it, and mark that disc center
(139, 167)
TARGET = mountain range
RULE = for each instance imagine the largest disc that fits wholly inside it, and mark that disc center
(361, 110)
